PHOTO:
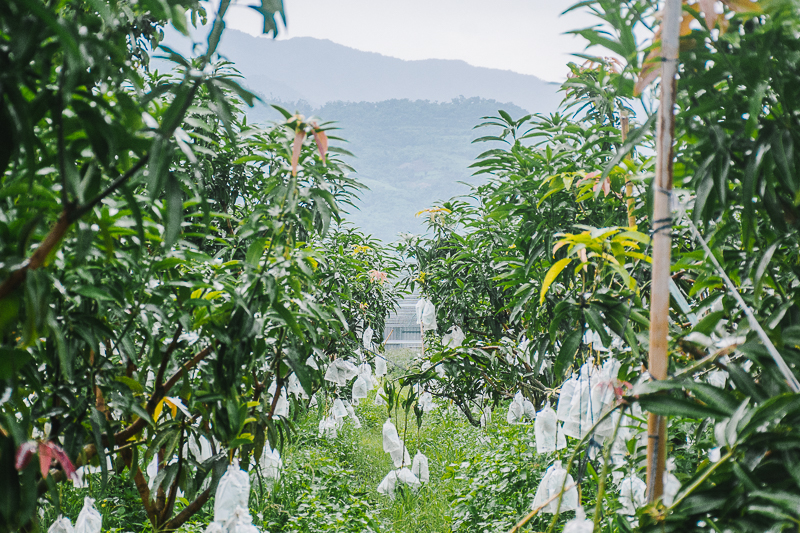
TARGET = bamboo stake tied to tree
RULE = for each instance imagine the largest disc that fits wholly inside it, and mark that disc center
(662, 242)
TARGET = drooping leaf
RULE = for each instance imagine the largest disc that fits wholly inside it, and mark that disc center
(551, 275)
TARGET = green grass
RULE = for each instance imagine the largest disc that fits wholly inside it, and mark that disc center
(331, 485)
(445, 438)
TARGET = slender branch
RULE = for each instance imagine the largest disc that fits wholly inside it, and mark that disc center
(39, 255)
(141, 485)
(589, 434)
(181, 518)
(601, 489)
(122, 436)
(113, 186)
(160, 500)
(276, 397)
(174, 489)
(533, 513)
(278, 380)
(688, 371)
(165, 358)
(193, 362)
(467, 412)
(699, 481)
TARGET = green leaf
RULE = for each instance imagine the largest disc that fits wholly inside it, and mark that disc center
(268, 9)
(668, 405)
(131, 383)
(770, 412)
(786, 500)
(93, 292)
(255, 251)
(288, 318)
(595, 321)
(567, 353)
(282, 111)
(248, 97)
(758, 278)
(11, 361)
(744, 383)
(133, 205)
(174, 211)
(97, 423)
(709, 322)
(714, 397)
(178, 18)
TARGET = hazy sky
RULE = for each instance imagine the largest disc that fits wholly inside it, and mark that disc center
(525, 36)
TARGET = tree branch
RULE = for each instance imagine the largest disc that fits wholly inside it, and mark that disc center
(39, 255)
(187, 512)
(141, 485)
(113, 186)
(65, 220)
(121, 437)
(165, 358)
(193, 362)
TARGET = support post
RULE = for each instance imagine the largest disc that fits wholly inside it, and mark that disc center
(662, 242)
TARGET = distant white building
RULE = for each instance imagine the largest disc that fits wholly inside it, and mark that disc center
(402, 324)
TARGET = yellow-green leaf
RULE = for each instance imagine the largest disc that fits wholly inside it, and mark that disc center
(551, 275)
(634, 236)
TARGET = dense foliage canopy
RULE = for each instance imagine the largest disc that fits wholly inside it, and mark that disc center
(173, 276)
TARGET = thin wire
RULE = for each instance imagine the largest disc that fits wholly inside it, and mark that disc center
(791, 380)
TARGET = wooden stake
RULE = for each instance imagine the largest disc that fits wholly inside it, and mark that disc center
(662, 242)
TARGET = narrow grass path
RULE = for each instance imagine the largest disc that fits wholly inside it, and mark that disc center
(445, 438)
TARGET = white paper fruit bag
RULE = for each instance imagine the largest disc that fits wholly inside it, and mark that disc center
(233, 491)
(61, 525)
(420, 467)
(391, 440)
(89, 520)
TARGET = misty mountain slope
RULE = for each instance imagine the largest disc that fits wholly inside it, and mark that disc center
(409, 123)
(409, 153)
(321, 71)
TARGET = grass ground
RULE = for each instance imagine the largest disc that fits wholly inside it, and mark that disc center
(480, 480)
(445, 438)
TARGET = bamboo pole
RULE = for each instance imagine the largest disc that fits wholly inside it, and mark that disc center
(662, 242)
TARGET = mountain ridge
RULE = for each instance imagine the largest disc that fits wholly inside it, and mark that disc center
(409, 123)
(321, 71)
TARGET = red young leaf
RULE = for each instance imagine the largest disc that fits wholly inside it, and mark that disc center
(24, 454)
(322, 142)
(651, 69)
(45, 458)
(604, 185)
(709, 13)
(63, 459)
(299, 136)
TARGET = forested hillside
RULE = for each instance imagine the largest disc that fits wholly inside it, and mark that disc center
(409, 153)
(408, 123)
